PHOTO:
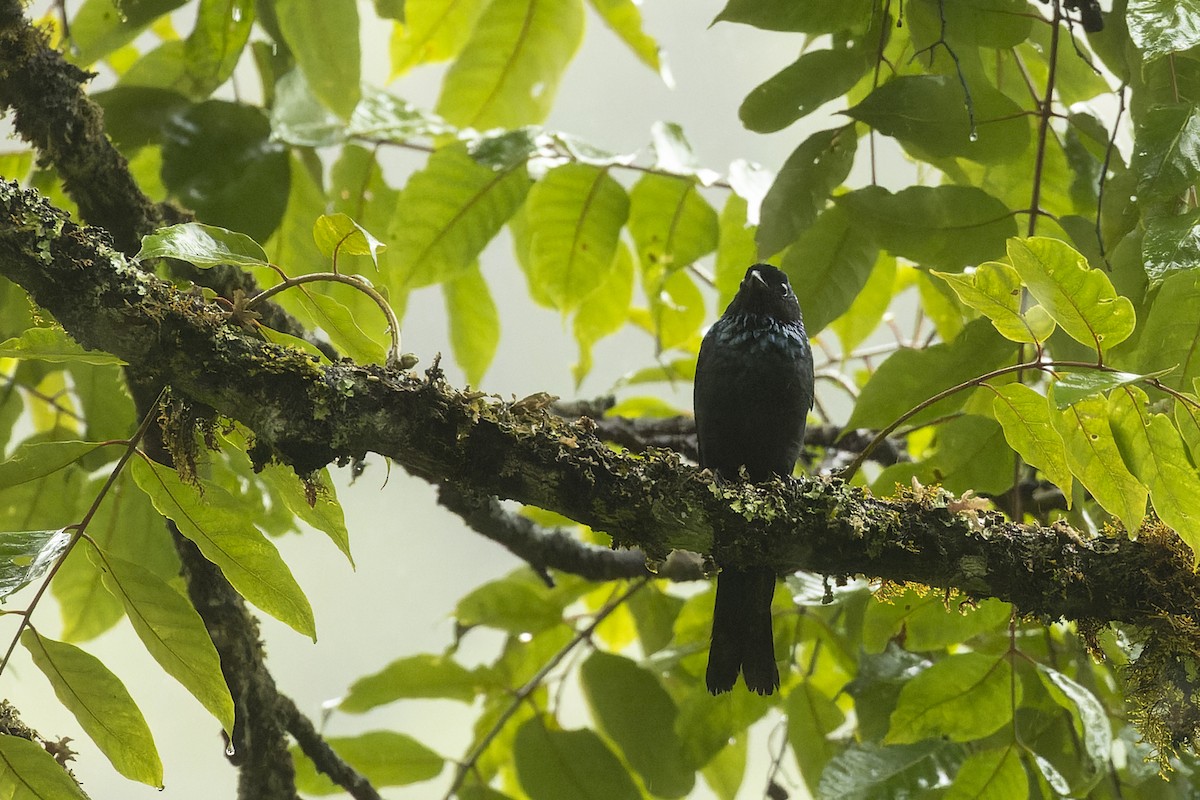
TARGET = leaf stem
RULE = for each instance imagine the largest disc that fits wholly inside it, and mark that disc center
(393, 356)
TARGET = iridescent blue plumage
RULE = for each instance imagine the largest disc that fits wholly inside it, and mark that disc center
(753, 392)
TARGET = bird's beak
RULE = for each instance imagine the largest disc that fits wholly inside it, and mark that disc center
(758, 277)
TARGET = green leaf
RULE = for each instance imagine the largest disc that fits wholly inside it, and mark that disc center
(203, 246)
(624, 18)
(803, 86)
(1154, 452)
(508, 604)
(671, 224)
(228, 539)
(1162, 27)
(994, 289)
(811, 718)
(33, 460)
(725, 772)
(866, 312)
(28, 772)
(215, 45)
(26, 555)
(1081, 300)
(100, 27)
(866, 770)
(340, 324)
(930, 622)
(314, 502)
(990, 775)
(336, 234)
(633, 710)
(509, 69)
(829, 265)
(962, 697)
(803, 187)
(101, 705)
(474, 323)
(385, 758)
(1029, 428)
(53, 345)
(324, 38)
(676, 308)
(787, 15)
(909, 377)
(1171, 244)
(605, 310)
(432, 31)
(928, 115)
(1171, 330)
(974, 23)
(220, 161)
(945, 227)
(420, 676)
(126, 525)
(1090, 720)
(172, 631)
(1094, 459)
(1071, 387)
(1166, 152)
(447, 213)
(553, 764)
(735, 248)
(575, 215)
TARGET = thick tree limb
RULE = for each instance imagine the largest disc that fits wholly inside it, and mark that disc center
(545, 549)
(52, 112)
(308, 415)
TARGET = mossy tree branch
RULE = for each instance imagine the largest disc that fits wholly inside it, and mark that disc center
(309, 415)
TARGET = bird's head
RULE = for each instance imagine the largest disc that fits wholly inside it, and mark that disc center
(765, 291)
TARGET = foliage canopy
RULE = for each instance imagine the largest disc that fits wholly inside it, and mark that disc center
(1048, 239)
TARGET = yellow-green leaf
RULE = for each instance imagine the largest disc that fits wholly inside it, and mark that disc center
(171, 629)
(324, 38)
(28, 772)
(1154, 452)
(319, 509)
(101, 704)
(33, 460)
(575, 216)
(474, 323)
(1025, 416)
(385, 758)
(509, 69)
(1094, 459)
(962, 697)
(994, 290)
(53, 345)
(228, 539)
(432, 31)
(336, 234)
(990, 775)
(447, 213)
(1080, 299)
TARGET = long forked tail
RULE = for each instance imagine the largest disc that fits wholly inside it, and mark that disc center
(742, 640)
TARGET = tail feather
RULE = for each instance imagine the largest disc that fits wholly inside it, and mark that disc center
(742, 639)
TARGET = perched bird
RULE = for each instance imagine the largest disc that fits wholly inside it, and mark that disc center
(753, 392)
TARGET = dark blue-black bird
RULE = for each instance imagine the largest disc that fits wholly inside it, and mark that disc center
(753, 392)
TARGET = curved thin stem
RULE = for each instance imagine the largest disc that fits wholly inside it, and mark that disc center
(393, 357)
